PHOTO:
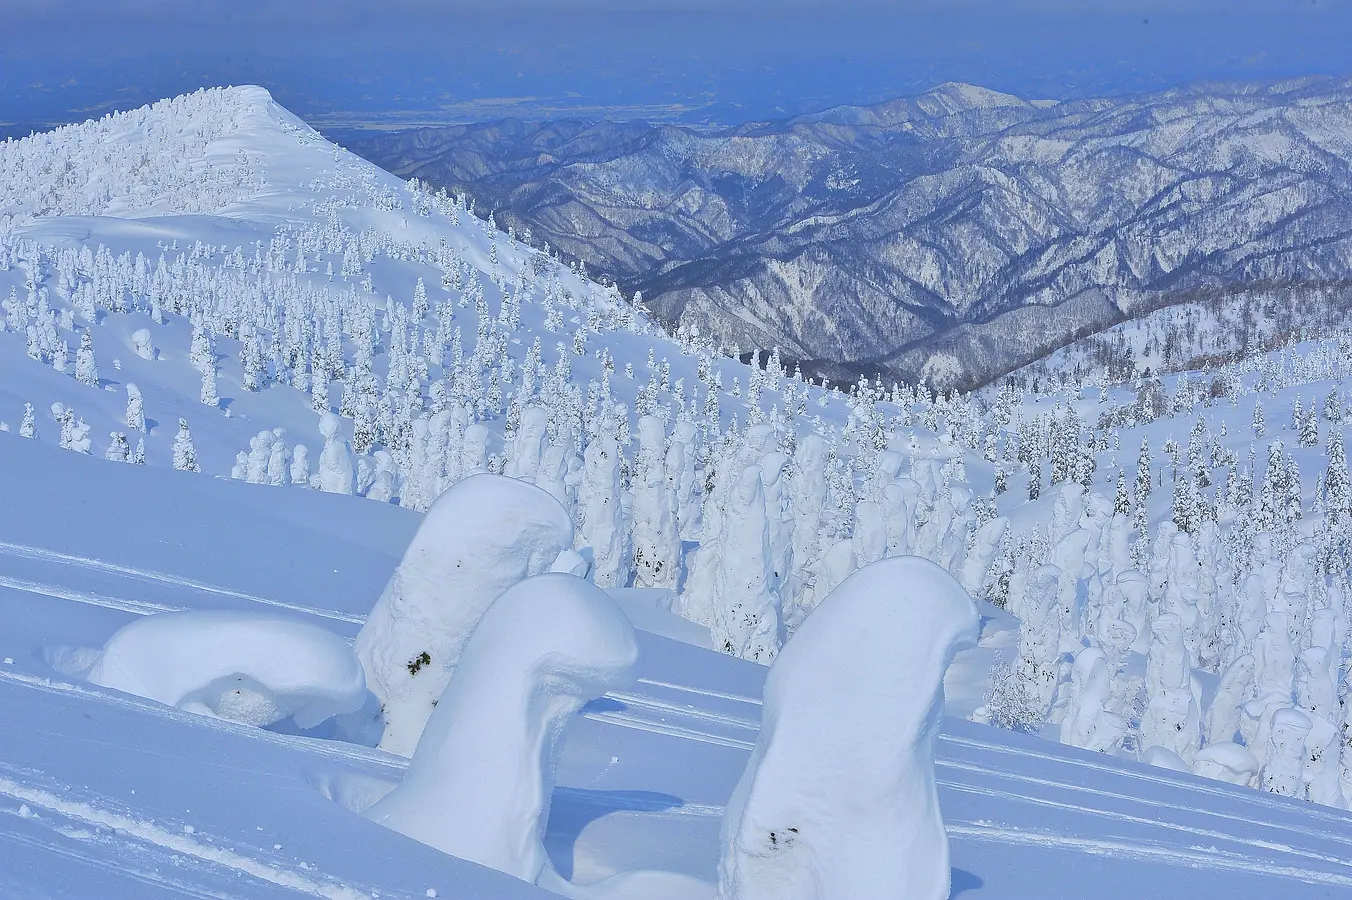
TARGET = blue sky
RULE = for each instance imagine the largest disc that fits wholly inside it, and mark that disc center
(402, 62)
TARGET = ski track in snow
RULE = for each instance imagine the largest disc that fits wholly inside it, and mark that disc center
(1200, 857)
(138, 607)
(1035, 796)
(1194, 857)
(105, 863)
(149, 575)
(630, 721)
(127, 828)
(1164, 779)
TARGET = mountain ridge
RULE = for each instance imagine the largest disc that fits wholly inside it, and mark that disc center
(858, 237)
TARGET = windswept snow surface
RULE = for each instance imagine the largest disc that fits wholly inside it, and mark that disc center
(105, 794)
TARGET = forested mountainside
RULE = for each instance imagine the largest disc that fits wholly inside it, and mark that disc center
(955, 235)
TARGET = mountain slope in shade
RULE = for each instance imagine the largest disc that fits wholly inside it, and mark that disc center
(962, 222)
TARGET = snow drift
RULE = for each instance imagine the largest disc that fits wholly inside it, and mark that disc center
(253, 668)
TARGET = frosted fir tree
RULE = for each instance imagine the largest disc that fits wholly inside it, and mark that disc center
(1033, 594)
(1089, 722)
(86, 372)
(1309, 429)
(300, 465)
(746, 620)
(1333, 407)
(142, 344)
(1284, 768)
(256, 460)
(60, 357)
(200, 349)
(1187, 512)
(1259, 425)
(65, 418)
(1233, 691)
(523, 454)
(277, 467)
(420, 305)
(1337, 485)
(28, 428)
(319, 393)
(1171, 719)
(603, 514)
(135, 416)
(657, 546)
(335, 473)
(185, 455)
(1121, 501)
(80, 440)
(1008, 703)
(118, 448)
(252, 362)
(684, 480)
(208, 395)
(838, 799)
(138, 457)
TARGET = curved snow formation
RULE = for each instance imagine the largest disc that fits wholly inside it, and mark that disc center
(838, 799)
(480, 782)
(480, 537)
(248, 667)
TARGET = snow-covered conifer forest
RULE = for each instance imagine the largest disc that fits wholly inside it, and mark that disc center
(309, 617)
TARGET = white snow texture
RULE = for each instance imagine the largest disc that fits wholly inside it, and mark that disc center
(479, 538)
(839, 800)
(254, 668)
(480, 782)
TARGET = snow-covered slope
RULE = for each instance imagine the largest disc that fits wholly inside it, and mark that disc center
(106, 795)
(744, 495)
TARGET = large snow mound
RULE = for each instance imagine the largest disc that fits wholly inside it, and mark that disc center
(480, 537)
(839, 797)
(248, 667)
(480, 782)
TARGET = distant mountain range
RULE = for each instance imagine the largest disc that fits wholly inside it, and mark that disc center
(957, 235)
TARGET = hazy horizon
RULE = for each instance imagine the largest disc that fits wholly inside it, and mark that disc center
(414, 62)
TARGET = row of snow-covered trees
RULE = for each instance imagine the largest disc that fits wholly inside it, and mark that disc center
(1207, 628)
(648, 460)
(750, 492)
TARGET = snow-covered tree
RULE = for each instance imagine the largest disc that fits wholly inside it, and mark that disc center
(28, 427)
(135, 416)
(747, 611)
(185, 455)
(86, 372)
(208, 395)
(657, 546)
(335, 461)
(118, 448)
